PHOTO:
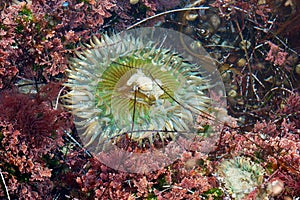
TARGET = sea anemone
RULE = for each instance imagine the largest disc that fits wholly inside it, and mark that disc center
(241, 176)
(140, 84)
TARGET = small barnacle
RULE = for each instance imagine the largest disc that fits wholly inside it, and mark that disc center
(133, 2)
(134, 83)
(204, 32)
(241, 62)
(275, 187)
(191, 16)
(232, 93)
(241, 176)
(245, 44)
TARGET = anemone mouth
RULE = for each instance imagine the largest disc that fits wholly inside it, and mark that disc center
(142, 84)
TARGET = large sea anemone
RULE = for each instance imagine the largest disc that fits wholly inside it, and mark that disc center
(145, 83)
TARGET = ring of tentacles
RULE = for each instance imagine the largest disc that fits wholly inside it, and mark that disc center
(120, 84)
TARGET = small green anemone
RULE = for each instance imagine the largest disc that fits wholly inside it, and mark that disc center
(241, 176)
(126, 83)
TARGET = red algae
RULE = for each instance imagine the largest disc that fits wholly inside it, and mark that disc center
(253, 43)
